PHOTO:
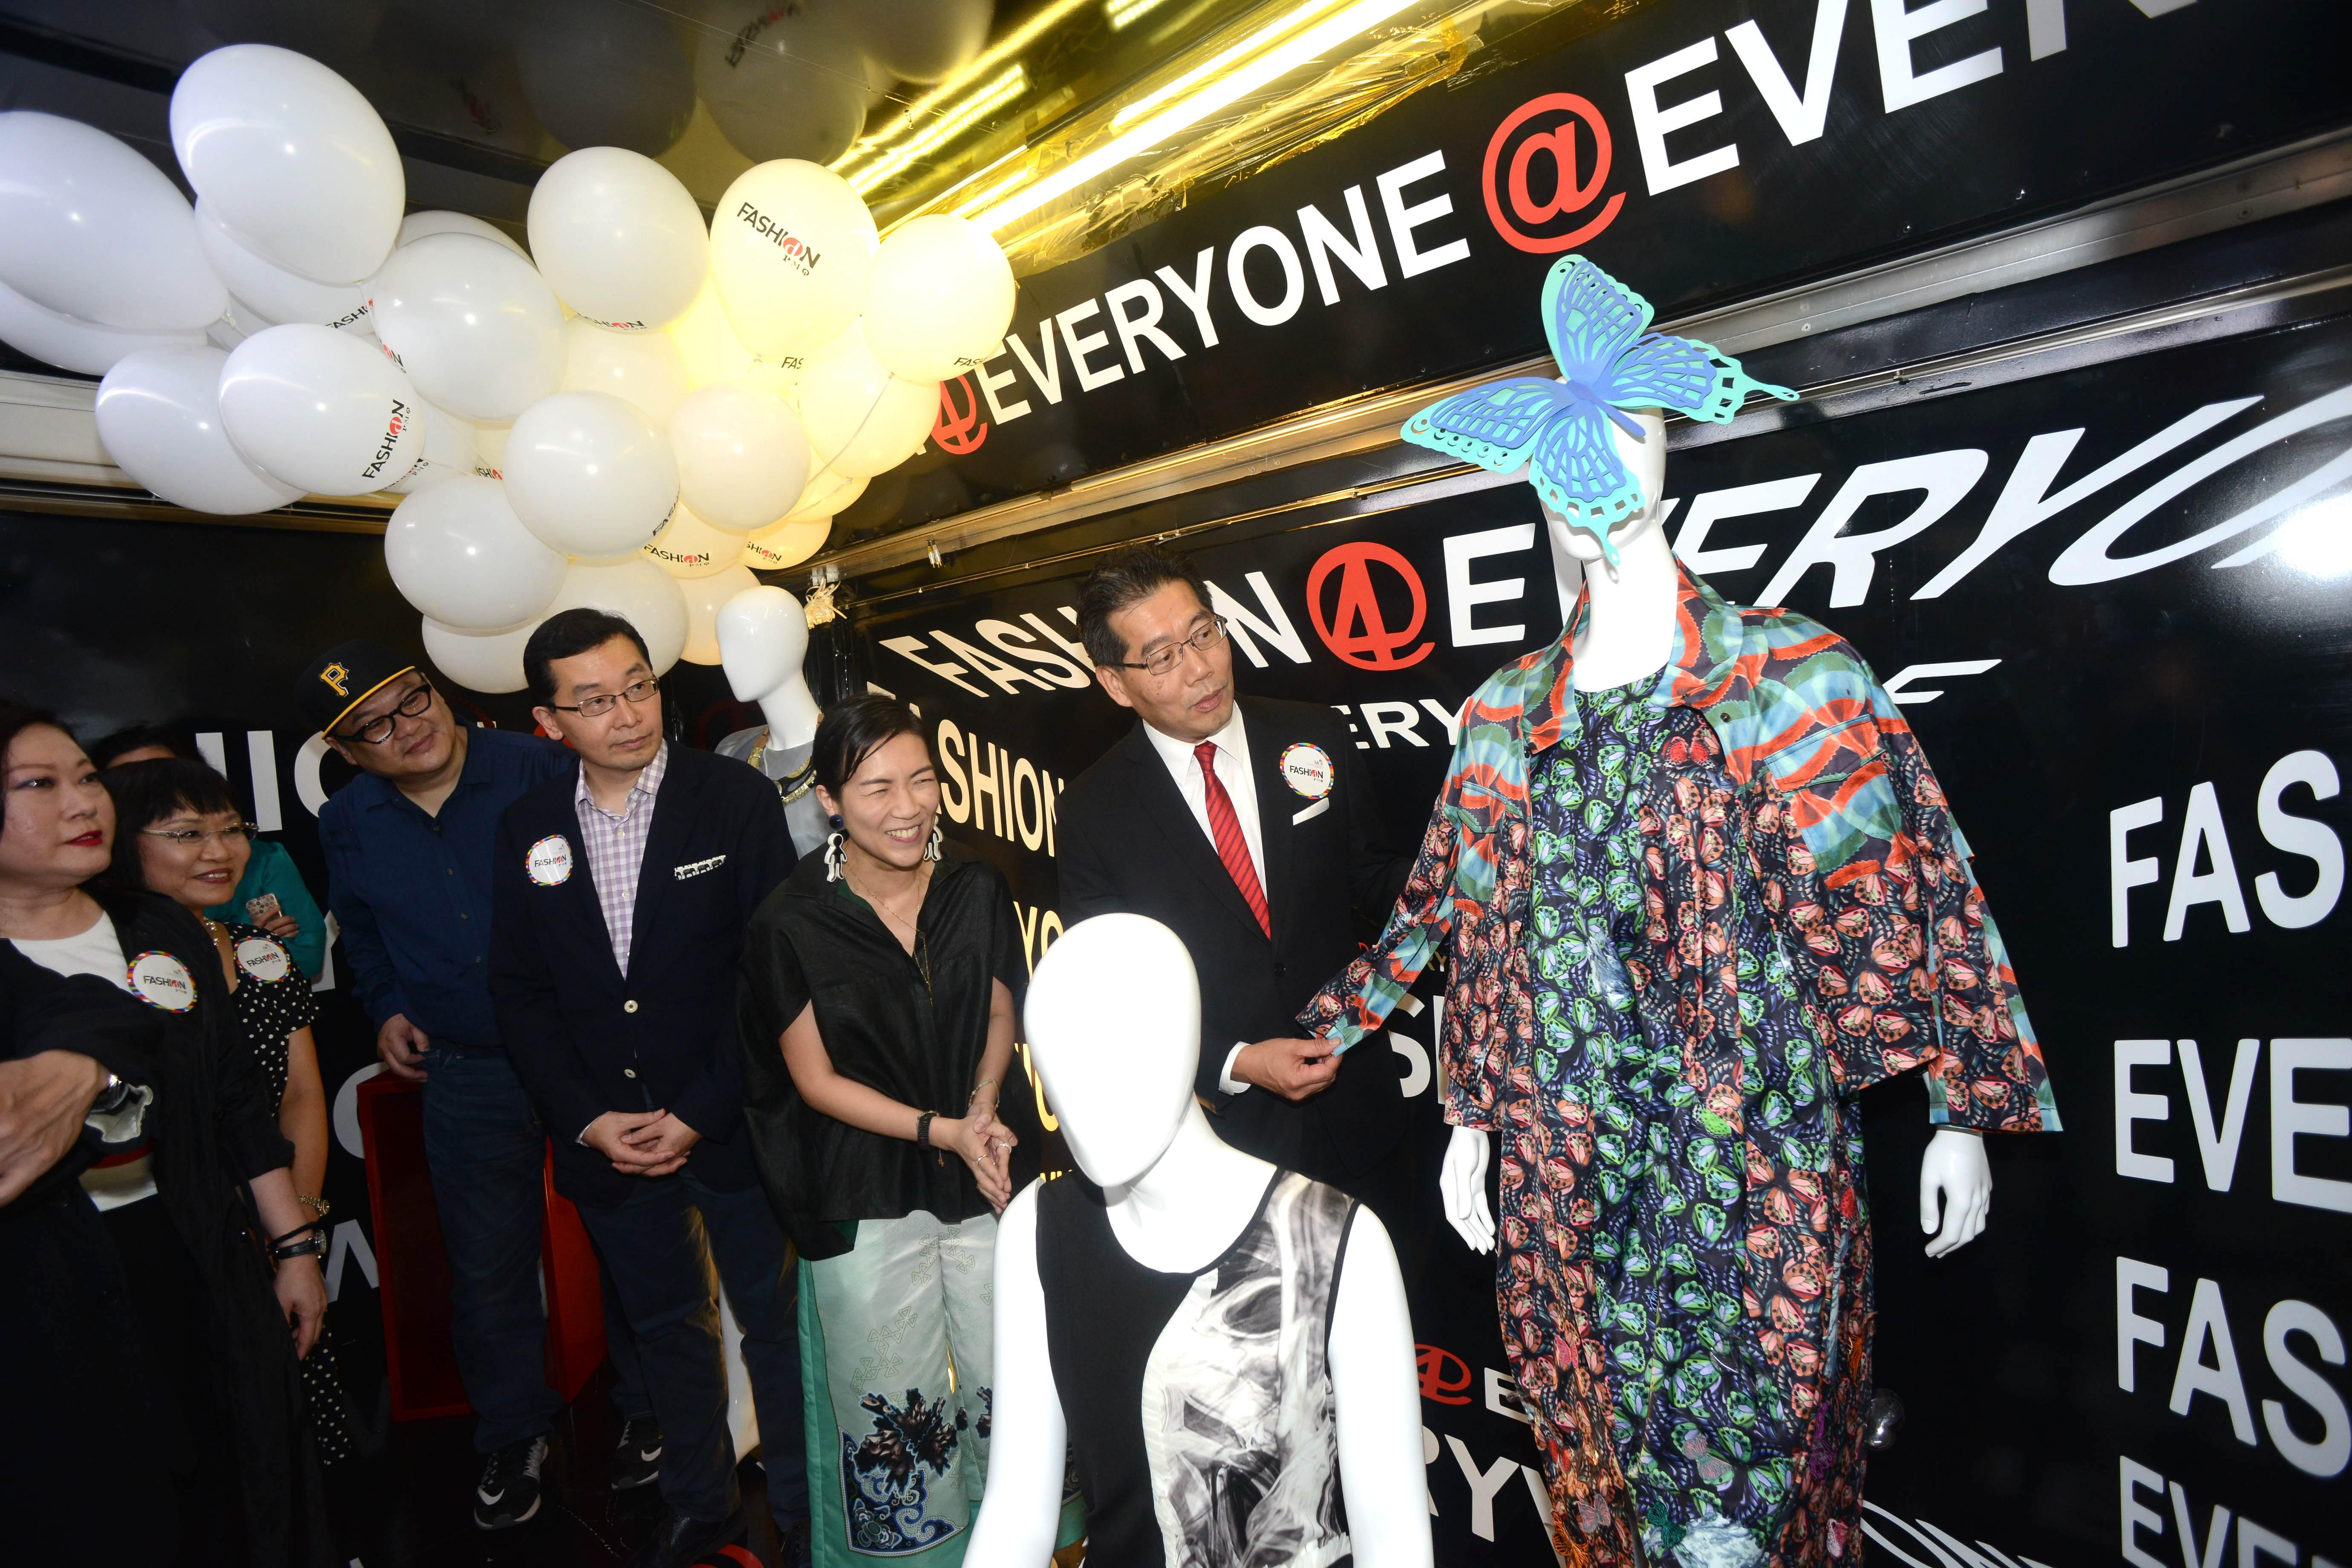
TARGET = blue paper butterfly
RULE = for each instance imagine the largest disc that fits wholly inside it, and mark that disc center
(1560, 429)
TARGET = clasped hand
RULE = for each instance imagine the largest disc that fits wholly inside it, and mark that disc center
(641, 1143)
(986, 1146)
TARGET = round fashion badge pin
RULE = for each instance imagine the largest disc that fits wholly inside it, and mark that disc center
(550, 861)
(1307, 769)
(162, 980)
(262, 958)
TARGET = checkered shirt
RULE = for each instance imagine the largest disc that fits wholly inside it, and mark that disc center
(616, 848)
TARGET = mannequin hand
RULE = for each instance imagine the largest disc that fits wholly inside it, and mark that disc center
(1461, 1190)
(983, 1141)
(1294, 1070)
(302, 1295)
(1955, 1169)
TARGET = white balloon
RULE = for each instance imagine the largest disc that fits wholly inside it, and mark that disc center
(938, 298)
(479, 661)
(705, 597)
(159, 418)
(920, 40)
(319, 408)
(644, 368)
(707, 341)
(787, 543)
(791, 246)
(90, 229)
(589, 475)
(742, 460)
(782, 83)
(417, 226)
(828, 494)
(458, 552)
(606, 76)
(619, 239)
(292, 159)
(71, 344)
(267, 294)
(637, 591)
(474, 325)
(452, 448)
(690, 547)
(862, 420)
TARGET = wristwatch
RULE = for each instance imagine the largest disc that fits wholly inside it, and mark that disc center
(113, 1097)
(311, 1246)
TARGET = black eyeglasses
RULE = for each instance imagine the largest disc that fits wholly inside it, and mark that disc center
(188, 837)
(604, 702)
(378, 730)
(1166, 658)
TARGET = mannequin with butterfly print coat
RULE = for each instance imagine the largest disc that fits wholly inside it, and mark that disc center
(1627, 634)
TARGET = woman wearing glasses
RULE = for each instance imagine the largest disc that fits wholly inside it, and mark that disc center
(881, 986)
(178, 832)
(187, 1160)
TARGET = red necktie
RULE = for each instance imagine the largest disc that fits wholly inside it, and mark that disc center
(1226, 829)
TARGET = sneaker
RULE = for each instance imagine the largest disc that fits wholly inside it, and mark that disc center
(509, 1492)
(636, 1458)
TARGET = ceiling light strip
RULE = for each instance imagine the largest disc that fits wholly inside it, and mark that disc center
(990, 59)
(1223, 61)
(1242, 80)
(995, 95)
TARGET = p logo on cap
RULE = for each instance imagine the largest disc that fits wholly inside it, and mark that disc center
(337, 679)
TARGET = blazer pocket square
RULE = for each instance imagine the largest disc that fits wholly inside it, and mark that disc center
(1312, 812)
(696, 867)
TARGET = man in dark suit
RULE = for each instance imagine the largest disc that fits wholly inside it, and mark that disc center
(622, 891)
(1249, 828)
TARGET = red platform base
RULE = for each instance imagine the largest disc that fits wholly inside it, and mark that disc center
(412, 1270)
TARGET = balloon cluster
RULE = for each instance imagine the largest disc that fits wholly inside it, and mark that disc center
(632, 416)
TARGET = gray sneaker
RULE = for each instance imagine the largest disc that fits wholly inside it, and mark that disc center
(508, 1494)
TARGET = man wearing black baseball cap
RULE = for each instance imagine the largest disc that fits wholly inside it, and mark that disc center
(408, 847)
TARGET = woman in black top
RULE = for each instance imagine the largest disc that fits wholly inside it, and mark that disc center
(191, 1159)
(178, 832)
(881, 986)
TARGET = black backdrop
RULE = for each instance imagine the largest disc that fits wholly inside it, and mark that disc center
(2168, 695)
(2182, 678)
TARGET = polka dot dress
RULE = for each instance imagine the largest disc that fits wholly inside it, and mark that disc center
(271, 1001)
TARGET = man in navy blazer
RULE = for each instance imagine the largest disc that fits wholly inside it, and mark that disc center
(621, 890)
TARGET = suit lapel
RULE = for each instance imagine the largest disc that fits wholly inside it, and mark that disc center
(1273, 817)
(1163, 806)
(580, 890)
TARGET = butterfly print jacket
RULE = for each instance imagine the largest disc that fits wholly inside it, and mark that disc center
(1865, 876)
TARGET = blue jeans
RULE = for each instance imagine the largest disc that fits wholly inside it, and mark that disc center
(487, 1153)
(658, 1245)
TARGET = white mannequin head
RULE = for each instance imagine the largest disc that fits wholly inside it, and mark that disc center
(1119, 1076)
(1646, 459)
(762, 639)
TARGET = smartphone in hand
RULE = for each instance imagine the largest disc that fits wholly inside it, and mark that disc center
(262, 911)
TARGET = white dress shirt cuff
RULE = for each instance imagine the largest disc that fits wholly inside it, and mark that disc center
(1226, 1078)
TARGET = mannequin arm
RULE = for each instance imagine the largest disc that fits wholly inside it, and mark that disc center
(1462, 1189)
(1956, 1171)
(1381, 1476)
(1028, 1449)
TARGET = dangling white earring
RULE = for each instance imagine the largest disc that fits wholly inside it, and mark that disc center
(833, 857)
(931, 850)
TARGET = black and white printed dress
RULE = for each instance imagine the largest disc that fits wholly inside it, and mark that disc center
(1200, 1405)
(272, 1000)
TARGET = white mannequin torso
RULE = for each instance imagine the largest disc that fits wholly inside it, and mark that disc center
(1628, 635)
(1176, 1196)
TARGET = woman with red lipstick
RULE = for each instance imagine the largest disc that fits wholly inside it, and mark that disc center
(188, 1161)
(178, 832)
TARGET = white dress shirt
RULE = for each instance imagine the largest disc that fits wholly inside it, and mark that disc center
(1233, 772)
